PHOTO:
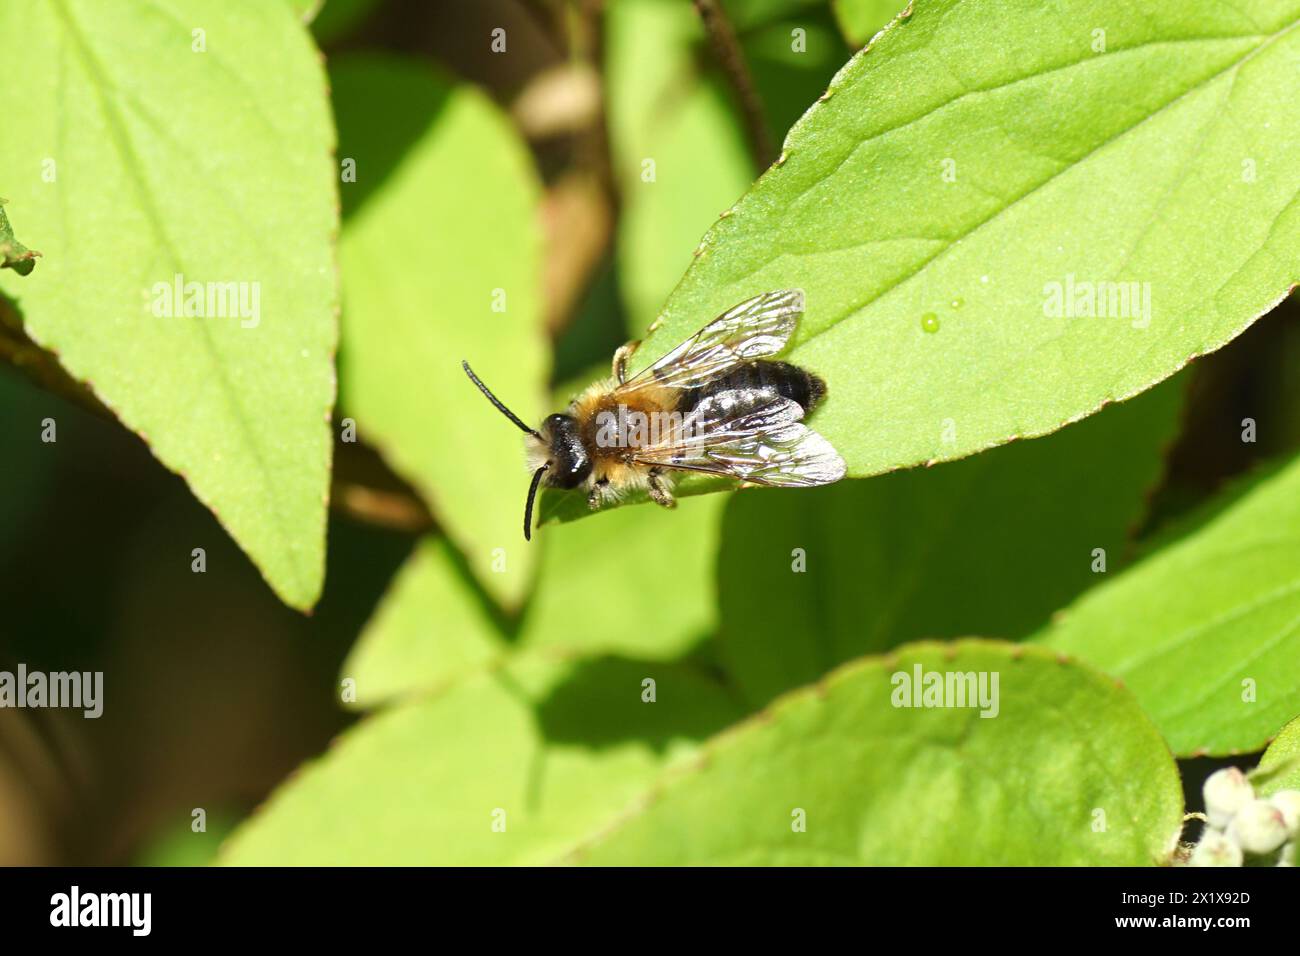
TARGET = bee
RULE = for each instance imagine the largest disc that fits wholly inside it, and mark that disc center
(715, 404)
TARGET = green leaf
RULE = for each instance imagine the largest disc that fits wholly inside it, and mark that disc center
(558, 748)
(1279, 768)
(678, 150)
(1160, 168)
(1206, 629)
(860, 20)
(440, 226)
(137, 159)
(640, 587)
(992, 545)
(887, 785)
(13, 254)
(433, 629)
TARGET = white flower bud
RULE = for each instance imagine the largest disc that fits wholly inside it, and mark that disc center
(1215, 849)
(1287, 857)
(1288, 801)
(1258, 827)
(1226, 791)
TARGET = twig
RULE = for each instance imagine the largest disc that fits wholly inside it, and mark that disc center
(396, 510)
(365, 489)
(726, 47)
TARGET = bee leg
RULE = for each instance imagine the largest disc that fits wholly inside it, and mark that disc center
(659, 492)
(595, 496)
(620, 360)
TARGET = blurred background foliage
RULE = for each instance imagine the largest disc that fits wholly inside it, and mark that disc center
(216, 692)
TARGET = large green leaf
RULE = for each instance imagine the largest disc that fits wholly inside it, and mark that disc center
(981, 158)
(1206, 629)
(597, 597)
(440, 227)
(431, 628)
(135, 159)
(990, 545)
(560, 749)
(1069, 772)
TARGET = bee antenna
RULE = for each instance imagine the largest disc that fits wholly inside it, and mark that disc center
(528, 508)
(500, 406)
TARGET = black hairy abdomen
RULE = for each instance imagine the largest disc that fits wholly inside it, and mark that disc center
(786, 380)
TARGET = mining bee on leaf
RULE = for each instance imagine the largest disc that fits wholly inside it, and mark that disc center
(715, 404)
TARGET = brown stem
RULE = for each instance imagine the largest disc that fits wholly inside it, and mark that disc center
(366, 489)
(726, 47)
(396, 510)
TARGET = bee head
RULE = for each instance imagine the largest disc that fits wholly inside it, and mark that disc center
(567, 462)
(555, 453)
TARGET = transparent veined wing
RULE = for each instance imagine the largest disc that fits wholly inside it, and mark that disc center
(755, 435)
(754, 329)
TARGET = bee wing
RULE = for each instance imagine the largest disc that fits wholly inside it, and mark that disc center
(756, 328)
(754, 435)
